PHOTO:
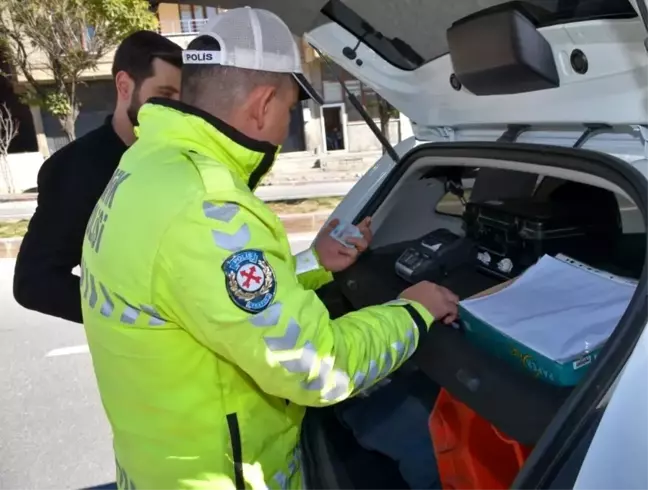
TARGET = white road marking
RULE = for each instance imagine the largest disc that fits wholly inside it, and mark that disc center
(66, 351)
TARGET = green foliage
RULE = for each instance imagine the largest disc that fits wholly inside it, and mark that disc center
(56, 103)
(62, 39)
(382, 107)
(116, 19)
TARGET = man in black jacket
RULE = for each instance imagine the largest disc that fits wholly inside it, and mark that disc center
(71, 181)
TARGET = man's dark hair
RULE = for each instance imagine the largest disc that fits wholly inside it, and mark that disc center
(136, 53)
(218, 89)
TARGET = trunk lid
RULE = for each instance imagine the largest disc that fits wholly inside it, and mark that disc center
(386, 44)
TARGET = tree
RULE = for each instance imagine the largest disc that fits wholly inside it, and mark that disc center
(52, 43)
(386, 112)
(8, 131)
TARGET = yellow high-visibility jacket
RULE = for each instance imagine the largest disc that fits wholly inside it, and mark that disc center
(205, 333)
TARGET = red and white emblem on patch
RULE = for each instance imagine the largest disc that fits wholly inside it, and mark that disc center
(250, 278)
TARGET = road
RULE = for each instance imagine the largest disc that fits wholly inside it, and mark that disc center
(53, 433)
(25, 209)
(304, 191)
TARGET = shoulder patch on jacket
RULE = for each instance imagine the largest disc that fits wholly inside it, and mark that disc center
(249, 280)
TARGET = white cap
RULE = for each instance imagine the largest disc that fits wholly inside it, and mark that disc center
(253, 39)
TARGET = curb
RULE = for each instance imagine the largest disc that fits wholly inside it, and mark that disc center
(9, 247)
(18, 197)
(304, 223)
(293, 223)
(295, 183)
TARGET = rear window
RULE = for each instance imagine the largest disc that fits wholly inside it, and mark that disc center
(410, 33)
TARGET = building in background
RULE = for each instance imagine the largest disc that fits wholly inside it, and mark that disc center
(335, 128)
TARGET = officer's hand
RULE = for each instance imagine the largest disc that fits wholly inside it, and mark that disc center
(334, 256)
(439, 301)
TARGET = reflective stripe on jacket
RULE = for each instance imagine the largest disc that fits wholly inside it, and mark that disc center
(206, 335)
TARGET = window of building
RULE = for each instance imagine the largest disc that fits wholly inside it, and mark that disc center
(192, 17)
(334, 93)
(88, 38)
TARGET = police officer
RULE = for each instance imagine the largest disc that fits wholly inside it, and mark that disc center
(206, 336)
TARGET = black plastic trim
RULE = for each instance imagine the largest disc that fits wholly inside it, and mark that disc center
(513, 132)
(571, 421)
(322, 466)
(418, 320)
(237, 450)
(590, 131)
(403, 57)
(499, 51)
(268, 149)
(643, 11)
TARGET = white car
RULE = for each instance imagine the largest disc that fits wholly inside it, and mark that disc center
(521, 98)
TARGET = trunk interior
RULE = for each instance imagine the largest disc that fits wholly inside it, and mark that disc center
(438, 187)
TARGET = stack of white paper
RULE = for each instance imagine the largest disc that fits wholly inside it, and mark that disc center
(559, 307)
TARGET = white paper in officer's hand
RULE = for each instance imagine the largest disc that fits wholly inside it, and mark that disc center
(343, 231)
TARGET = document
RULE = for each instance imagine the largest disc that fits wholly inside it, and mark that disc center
(559, 307)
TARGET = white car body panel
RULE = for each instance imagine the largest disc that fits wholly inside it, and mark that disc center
(619, 451)
(612, 91)
(366, 187)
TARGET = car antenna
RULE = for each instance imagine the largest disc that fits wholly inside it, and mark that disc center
(389, 149)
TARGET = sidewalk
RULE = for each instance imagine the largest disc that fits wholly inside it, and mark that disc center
(304, 189)
(291, 169)
(296, 167)
(299, 225)
(29, 196)
(304, 186)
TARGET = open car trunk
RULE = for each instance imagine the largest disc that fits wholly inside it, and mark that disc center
(550, 81)
(407, 206)
(509, 128)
